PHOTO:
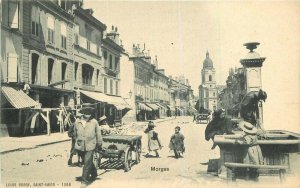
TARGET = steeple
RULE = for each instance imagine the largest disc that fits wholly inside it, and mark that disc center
(207, 63)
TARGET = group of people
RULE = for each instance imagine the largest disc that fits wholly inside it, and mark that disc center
(222, 125)
(154, 145)
(87, 138)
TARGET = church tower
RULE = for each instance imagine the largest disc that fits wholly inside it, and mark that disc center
(208, 90)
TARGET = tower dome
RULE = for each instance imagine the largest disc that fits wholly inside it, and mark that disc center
(207, 63)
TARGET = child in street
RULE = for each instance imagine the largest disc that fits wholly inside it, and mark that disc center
(153, 140)
(176, 143)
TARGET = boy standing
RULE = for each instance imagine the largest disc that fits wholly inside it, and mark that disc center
(176, 143)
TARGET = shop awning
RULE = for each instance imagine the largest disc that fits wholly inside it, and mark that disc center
(153, 106)
(142, 106)
(161, 106)
(17, 98)
(172, 108)
(118, 102)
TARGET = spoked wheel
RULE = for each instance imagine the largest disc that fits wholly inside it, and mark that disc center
(127, 159)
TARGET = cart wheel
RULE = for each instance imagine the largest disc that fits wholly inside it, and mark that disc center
(127, 159)
(99, 163)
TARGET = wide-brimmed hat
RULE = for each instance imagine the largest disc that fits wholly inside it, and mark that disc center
(248, 127)
(87, 110)
(102, 118)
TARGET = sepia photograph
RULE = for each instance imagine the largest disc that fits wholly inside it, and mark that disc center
(149, 94)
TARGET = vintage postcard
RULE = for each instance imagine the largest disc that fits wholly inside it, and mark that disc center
(149, 93)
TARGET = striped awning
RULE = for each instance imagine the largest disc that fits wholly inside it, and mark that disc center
(17, 98)
(153, 106)
(161, 106)
(118, 102)
(142, 106)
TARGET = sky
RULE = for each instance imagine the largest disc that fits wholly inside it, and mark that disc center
(181, 32)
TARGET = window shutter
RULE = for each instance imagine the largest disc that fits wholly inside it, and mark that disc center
(12, 67)
(13, 19)
(63, 29)
(50, 21)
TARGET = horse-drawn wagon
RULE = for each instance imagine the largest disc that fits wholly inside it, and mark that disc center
(202, 117)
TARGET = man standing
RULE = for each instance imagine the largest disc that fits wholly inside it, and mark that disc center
(88, 138)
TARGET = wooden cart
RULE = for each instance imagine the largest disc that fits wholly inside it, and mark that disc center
(119, 149)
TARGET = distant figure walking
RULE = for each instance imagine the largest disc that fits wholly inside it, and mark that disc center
(72, 134)
(153, 140)
(176, 143)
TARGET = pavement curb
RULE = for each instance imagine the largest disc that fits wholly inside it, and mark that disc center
(33, 147)
(55, 142)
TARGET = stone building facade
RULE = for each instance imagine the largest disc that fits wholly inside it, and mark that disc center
(208, 94)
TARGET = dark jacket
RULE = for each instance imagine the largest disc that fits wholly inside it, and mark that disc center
(218, 127)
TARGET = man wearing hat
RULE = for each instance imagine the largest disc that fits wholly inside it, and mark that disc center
(88, 138)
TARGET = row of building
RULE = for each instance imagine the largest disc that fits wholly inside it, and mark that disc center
(56, 56)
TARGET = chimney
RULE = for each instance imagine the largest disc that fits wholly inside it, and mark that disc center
(156, 62)
(187, 82)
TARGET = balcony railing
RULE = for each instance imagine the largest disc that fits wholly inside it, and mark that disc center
(110, 72)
